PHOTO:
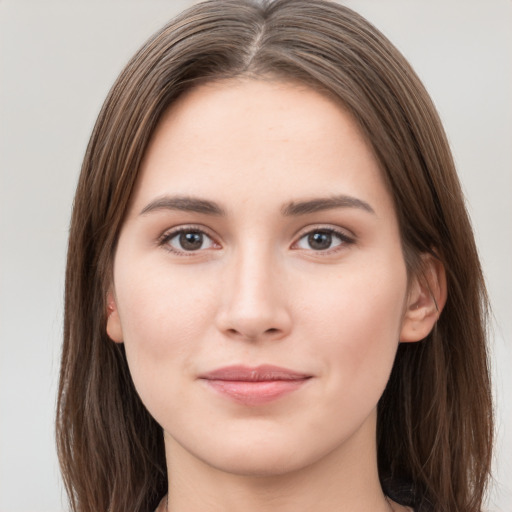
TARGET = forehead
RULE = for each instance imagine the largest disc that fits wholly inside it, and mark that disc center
(250, 137)
(254, 110)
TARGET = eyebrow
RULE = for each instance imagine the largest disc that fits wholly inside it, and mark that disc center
(327, 203)
(184, 203)
(293, 208)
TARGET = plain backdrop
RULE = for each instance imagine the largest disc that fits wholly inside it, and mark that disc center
(57, 62)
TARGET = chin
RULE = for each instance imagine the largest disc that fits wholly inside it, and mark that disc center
(259, 465)
(260, 457)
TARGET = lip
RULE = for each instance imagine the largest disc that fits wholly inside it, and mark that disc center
(254, 385)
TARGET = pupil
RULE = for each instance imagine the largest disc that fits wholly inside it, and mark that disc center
(191, 241)
(320, 240)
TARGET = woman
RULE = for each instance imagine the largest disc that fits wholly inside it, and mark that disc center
(273, 295)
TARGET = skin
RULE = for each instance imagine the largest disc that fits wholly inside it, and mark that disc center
(254, 290)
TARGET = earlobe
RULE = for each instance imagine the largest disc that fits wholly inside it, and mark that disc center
(427, 297)
(114, 328)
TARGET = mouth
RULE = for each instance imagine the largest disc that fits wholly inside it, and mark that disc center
(254, 385)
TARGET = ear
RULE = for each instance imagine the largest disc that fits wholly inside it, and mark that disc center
(426, 300)
(114, 328)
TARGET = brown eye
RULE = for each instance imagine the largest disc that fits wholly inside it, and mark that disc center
(320, 241)
(323, 240)
(188, 241)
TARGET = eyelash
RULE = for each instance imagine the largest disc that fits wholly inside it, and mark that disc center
(345, 240)
(164, 240)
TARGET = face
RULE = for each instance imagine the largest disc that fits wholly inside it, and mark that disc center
(259, 284)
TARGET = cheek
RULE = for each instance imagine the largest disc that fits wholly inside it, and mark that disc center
(161, 301)
(356, 322)
(164, 317)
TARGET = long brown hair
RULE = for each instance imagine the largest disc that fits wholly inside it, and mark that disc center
(435, 422)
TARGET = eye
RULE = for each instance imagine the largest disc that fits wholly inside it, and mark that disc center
(187, 240)
(322, 240)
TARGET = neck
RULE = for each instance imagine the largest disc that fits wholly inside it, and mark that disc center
(344, 480)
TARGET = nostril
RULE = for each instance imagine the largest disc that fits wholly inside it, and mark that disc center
(272, 332)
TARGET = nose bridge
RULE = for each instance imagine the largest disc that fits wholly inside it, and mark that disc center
(254, 302)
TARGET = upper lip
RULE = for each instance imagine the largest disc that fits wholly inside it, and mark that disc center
(260, 373)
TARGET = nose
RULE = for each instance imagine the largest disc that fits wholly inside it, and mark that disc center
(255, 302)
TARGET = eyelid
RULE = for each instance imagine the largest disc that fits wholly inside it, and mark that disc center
(170, 233)
(346, 236)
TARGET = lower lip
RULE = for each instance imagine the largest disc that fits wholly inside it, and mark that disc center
(255, 393)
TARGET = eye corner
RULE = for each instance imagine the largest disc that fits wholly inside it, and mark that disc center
(199, 241)
(320, 240)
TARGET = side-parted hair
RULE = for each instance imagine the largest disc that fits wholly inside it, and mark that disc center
(435, 418)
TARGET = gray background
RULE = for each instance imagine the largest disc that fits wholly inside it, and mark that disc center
(57, 62)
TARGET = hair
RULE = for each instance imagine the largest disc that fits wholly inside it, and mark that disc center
(435, 418)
